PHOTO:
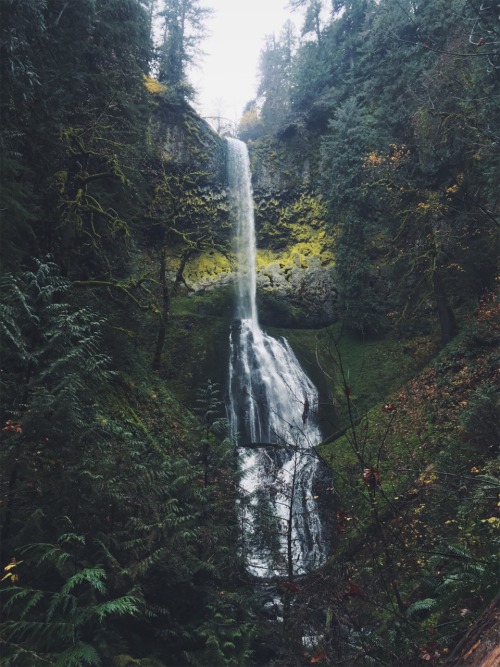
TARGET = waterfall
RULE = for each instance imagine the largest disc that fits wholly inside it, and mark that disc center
(272, 415)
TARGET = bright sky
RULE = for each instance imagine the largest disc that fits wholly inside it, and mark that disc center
(227, 77)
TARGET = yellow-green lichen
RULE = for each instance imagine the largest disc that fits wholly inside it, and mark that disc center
(298, 255)
(209, 265)
(283, 223)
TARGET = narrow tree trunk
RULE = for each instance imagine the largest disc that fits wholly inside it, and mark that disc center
(446, 316)
(164, 314)
(289, 534)
(179, 277)
(5, 532)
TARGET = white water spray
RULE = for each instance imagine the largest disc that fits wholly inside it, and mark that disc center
(272, 415)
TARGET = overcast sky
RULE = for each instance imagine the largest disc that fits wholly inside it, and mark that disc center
(227, 76)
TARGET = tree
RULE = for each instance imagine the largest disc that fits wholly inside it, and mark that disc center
(185, 219)
(80, 119)
(148, 533)
(348, 34)
(50, 353)
(183, 26)
(274, 80)
(312, 18)
(225, 628)
(23, 30)
(353, 213)
(250, 126)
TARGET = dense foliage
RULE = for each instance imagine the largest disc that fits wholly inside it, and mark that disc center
(403, 98)
(118, 525)
(120, 539)
(400, 103)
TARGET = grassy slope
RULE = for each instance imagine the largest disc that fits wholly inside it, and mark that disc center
(416, 486)
(372, 368)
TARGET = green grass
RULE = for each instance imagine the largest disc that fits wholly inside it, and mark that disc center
(372, 368)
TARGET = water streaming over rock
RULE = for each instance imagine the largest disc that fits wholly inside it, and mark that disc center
(272, 412)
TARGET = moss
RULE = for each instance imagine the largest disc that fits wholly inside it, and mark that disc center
(265, 257)
(291, 160)
(294, 225)
(275, 309)
(309, 248)
(196, 144)
(211, 264)
(125, 661)
(217, 302)
(197, 348)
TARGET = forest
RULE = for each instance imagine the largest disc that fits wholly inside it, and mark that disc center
(374, 146)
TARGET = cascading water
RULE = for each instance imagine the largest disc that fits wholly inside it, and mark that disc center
(272, 415)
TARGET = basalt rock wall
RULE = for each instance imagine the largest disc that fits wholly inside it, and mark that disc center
(295, 250)
(296, 279)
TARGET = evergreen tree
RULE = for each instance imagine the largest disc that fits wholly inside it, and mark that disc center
(275, 71)
(353, 212)
(312, 17)
(23, 29)
(183, 26)
(80, 120)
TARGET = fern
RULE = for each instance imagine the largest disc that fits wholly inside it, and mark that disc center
(419, 606)
(47, 552)
(465, 574)
(90, 575)
(15, 597)
(210, 408)
(124, 606)
(78, 655)
(57, 622)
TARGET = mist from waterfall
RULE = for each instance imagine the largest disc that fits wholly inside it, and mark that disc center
(272, 413)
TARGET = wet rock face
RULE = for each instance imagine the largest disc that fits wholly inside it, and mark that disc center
(302, 298)
(295, 257)
(188, 142)
(295, 274)
(299, 297)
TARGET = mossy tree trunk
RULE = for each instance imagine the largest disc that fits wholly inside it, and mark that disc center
(164, 313)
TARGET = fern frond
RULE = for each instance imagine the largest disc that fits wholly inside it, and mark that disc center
(71, 537)
(47, 552)
(17, 595)
(127, 605)
(89, 575)
(67, 604)
(140, 567)
(78, 655)
(420, 605)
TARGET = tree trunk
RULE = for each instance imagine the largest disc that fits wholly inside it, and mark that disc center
(164, 314)
(446, 316)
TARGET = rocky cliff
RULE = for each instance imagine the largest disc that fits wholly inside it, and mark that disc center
(295, 255)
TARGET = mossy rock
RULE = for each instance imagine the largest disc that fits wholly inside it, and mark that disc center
(276, 310)
(289, 218)
(206, 268)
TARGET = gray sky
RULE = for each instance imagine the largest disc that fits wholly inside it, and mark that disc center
(227, 76)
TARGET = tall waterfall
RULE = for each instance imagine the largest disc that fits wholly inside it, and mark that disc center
(272, 415)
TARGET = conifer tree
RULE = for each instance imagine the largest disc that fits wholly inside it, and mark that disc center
(183, 26)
